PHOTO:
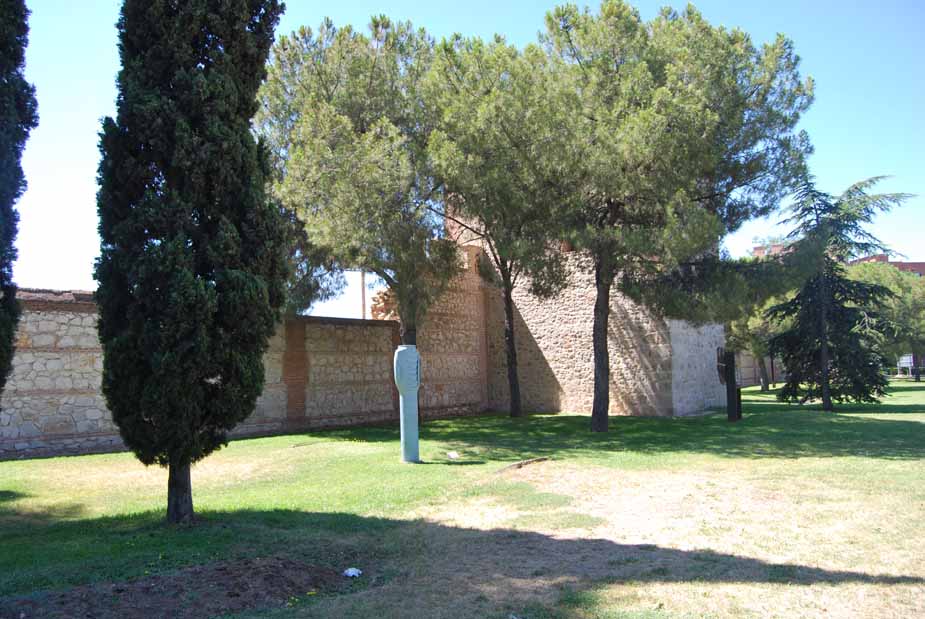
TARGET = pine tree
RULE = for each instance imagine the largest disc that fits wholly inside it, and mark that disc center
(192, 271)
(494, 108)
(18, 116)
(682, 131)
(831, 349)
(348, 127)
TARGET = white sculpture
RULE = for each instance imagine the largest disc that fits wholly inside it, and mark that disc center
(408, 380)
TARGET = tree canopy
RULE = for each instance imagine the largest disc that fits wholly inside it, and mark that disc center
(832, 348)
(348, 127)
(18, 116)
(684, 130)
(905, 309)
(495, 110)
(192, 272)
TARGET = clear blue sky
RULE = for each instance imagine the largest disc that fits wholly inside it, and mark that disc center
(868, 60)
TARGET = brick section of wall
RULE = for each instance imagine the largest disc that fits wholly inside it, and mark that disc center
(295, 370)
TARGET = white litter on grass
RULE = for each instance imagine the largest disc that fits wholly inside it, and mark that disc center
(352, 572)
(452, 455)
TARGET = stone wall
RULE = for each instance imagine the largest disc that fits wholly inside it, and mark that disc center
(52, 398)
(320, 372)
(454, 347)
(323, 372)
(749, 375)
(695, 384)
(656, 367)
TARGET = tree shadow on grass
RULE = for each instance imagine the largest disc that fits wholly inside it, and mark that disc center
(422, 567)
(768, 430)
(902, 398)
(10, 495)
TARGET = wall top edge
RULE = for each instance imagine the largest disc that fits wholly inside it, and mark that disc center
(47, 300)
(328, 320)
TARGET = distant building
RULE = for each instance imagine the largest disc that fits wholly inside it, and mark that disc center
(910, 267)
(769, 249)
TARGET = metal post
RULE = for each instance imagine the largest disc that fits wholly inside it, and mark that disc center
(729, 369)
(363, 294)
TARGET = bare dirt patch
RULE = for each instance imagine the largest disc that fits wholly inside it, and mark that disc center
(707, 542)
(189, 593)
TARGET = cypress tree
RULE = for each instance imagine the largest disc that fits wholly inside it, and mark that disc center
(192, 271)
(18, 116)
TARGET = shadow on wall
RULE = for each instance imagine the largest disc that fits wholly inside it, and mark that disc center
(640, 361)
(477, 571)
(540, 390)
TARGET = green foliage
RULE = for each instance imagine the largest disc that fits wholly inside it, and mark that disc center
(18, 116)
(348, 128)
(681, 132)
(495, 113)
(689, 130)
(192, 271)
(313, 276)
(832, 349)
(853, 332)
(752, 332)
(904, 310)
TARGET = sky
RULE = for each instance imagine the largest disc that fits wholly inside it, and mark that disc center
(868, 119)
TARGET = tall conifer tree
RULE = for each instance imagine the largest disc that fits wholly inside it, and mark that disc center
(18, 116)
(832, 348)
(192, 271)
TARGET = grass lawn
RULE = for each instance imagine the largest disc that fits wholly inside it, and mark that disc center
(790, 512)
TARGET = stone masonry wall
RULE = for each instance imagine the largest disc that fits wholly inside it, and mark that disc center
(320, 372)
(658, 368)
(695, 382)
(52, 398)
(453, 344)
(323, 372)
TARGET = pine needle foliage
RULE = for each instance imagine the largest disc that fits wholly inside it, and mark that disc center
(348, 126)
(687, 130)
(832, 350)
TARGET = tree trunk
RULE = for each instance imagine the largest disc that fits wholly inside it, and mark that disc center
(732, 393)
(409, 335)
(824, 357)
(510, 346)
(916, 372)
(826, 390)
(763, 374)
(600, 409)
(179, 494)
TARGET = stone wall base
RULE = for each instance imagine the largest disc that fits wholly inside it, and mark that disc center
(83, 444)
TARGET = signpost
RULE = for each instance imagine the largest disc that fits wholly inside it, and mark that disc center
(407, 366)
